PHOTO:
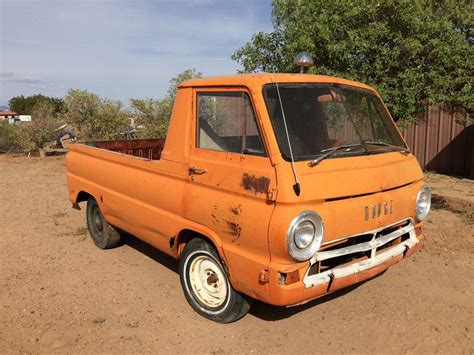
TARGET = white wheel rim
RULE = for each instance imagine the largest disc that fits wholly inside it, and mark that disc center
(208, 281)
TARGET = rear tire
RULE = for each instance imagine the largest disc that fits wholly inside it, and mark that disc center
(102, 234)
(206, 285)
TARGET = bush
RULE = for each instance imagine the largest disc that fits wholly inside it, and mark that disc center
(31, 135)
(7, 133)
(94, 117)
(41, 129)
(152, 115)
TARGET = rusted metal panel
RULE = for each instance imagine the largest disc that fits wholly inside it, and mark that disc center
(442, 143)
(142, 148)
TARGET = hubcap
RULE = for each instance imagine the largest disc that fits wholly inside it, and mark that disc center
(208, 281)
(98, 220)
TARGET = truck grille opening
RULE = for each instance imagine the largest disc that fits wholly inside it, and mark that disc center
(360, 247)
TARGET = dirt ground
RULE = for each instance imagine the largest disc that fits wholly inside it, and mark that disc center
(59, 293)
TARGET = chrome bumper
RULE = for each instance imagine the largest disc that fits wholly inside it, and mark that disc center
(375, 259)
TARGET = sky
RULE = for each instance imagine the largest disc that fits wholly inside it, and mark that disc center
(120, 49)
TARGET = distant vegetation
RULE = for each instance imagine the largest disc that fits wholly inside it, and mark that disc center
(25, 105)
(154, 115)
(90, 116)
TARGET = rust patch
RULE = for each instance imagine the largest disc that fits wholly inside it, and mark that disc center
(236, 210)
(255, 184)
(143, 148)
(234, 223)
(235, 228)
(228, 220)
(214, 213)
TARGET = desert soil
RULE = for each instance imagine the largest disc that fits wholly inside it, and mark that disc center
(59, 293)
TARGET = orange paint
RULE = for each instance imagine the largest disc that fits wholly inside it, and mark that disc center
(244, 203)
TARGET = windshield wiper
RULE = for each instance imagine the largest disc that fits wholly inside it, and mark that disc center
(330, 151)
(385, 144)
(347, 147)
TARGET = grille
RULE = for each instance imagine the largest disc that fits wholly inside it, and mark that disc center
(367, 246)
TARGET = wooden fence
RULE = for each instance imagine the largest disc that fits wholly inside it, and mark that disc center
(442, 143)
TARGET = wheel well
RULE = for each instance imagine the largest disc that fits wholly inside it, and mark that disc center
(185, 236)
(81, 197)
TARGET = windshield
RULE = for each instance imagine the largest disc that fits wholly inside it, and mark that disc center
(324, 116)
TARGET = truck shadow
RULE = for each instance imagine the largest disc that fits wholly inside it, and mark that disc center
(147, 250)
(269, 312)
(259, 309)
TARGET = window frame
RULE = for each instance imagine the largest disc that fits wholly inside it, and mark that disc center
(228, 90)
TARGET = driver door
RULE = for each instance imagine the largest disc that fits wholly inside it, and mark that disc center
(231, 181)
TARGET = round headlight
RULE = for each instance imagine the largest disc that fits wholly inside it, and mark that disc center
(305, 235)
(423, 202)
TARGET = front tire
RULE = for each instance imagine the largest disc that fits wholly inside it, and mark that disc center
(102, 234)
(206, 285)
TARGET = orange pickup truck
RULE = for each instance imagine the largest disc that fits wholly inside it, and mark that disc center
(276, 187)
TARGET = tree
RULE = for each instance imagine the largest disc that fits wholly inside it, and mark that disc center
(25, 105)
(150, 116)
(42, 128)
(12, 138)
(95, 118)
(110, 123)
(31, 135)
(412, 52)
(154, 115)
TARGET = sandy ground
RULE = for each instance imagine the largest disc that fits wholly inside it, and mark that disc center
(59, 293)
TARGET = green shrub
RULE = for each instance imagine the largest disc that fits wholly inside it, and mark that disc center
(14, 138)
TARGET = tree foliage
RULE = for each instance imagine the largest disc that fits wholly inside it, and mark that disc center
(94, 117)
(31, 135)
(150, 116)
(25, 105)
(154, 114)
(43, 124)
(412, 52)
(12, 138)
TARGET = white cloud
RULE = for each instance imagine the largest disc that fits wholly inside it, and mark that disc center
(120, 49)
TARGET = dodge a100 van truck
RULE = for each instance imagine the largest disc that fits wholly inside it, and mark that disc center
(276, 187)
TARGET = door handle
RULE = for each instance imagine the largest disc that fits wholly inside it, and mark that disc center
(192, 170)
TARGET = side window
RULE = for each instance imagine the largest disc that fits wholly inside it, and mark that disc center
(226, 123)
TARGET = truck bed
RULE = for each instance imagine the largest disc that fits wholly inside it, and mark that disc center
(142, 148)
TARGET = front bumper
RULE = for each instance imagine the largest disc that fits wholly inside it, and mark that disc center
(373, 257)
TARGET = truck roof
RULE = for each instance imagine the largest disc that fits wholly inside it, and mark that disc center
(256, 81)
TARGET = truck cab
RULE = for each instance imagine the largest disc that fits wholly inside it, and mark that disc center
(276, 187)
